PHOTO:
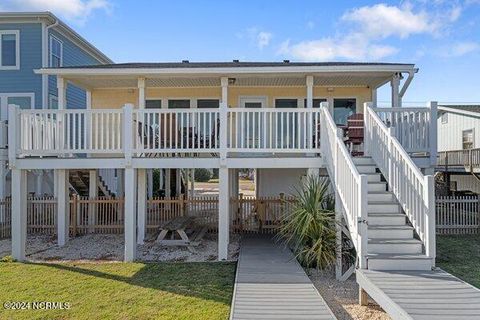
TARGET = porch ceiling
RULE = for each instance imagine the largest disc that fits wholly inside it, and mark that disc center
(364, 79)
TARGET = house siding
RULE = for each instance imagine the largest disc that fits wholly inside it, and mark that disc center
(25, 80)
(72, 56)
(450, 133)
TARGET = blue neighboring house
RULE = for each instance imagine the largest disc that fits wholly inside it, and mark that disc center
(35, 40)
(29, 41)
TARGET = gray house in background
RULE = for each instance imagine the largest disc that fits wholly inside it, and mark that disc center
(34, 40)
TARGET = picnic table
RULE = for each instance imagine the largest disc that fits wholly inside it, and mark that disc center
(183, 226)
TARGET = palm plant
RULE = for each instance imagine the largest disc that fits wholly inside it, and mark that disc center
(309, 228)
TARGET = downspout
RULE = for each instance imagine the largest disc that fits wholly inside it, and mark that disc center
(45, 61)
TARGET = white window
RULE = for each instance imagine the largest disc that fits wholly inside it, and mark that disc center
(23, 100)
(53, 102)
(56, 52)
(9, 50)
(467, 139)
(444, 117)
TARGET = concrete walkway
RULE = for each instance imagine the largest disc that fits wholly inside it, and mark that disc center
(270, 284)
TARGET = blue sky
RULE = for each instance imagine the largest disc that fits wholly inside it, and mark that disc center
(441, 37)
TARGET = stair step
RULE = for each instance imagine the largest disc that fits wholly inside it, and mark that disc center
(380, 261)
(377, 186)
(383, 219)
(383, 207)
(381, 196)
(366, 168)
(390, 232)
(363, 160)
(373, 177)
(394, 246)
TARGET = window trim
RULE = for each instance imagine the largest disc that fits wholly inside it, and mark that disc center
(444, 118)
(50, 56)
(17, 49)
(4, 100)
(51, 98)
(473, 138)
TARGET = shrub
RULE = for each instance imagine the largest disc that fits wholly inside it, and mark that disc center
(202, 175)
(309, 229)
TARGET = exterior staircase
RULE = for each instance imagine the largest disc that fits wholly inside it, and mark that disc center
(392, 242)
(79, 182)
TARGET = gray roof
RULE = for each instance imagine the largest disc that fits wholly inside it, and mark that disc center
(464, 107)
(234, 64)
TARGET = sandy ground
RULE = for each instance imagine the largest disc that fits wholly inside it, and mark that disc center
(110, 247)
(342, 297)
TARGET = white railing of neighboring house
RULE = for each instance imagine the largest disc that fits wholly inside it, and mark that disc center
(167, 130)
(414, 128)
(3, 135)
(350, 185)
(273, 130)
(414, 191)
(53, 132)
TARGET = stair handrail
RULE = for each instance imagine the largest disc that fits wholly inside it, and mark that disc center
(413, 190)
(351, 186)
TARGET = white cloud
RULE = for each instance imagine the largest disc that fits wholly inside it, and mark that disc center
(76, 11)
(310, 25)
(352, 47)
(365, 28)
(257, 37)
(460, 49)
(381, 21)
(263, 39)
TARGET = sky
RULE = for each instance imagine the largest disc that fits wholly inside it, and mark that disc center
(442, 38)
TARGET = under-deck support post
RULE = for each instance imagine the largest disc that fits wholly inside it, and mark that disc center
(178, 182)
(362, 297)
(141, 205)
(130, 215)
(150, 182)
(92, 194)
(19, 213)
(38, 183)
(3, 180)
(168, 185)
(63, 207)
(223, 213)
(433, 106)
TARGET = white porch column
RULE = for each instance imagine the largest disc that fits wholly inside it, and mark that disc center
(92, 194)
(150, 182)
(38, 183)
(141, 93)
(19, 213)
(62, 89)
(3, 180)
(433, 105)
(395, 84)
(309, 82)
(374, 97)
(120, 181)
(330, 105)
(223, 213)
(63, 207)
(130, 215)
(168, 189)
(192, 182)
(141, 205)
(178, 182)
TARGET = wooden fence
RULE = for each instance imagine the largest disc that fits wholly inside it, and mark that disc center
(106, 215)
(458, 215)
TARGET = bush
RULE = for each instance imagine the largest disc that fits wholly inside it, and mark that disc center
(202, 175)
(309, 229)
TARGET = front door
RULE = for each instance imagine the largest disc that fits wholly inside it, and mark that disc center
(252, 123)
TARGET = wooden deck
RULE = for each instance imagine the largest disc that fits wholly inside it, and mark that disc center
(270, 284)
(421, 295)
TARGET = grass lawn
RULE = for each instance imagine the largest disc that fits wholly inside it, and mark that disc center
(460, 255)
(119, 290)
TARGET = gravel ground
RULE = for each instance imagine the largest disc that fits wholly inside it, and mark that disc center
(110, 247)
(342, 297)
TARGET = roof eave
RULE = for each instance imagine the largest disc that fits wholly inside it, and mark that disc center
(459, 111)
(224, 70)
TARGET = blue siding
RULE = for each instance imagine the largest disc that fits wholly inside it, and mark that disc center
(25, 80)
(72, 56)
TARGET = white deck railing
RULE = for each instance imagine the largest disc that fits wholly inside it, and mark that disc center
(414, 128)
(135, 132)
(189, 130)
(414, 191)
(350, 185)
(273, 130)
